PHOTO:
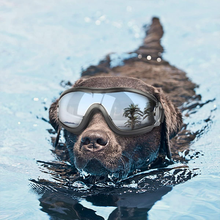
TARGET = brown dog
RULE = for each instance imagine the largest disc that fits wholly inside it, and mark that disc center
(120, 155)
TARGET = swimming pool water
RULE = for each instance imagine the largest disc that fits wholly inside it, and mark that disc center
(43, 43)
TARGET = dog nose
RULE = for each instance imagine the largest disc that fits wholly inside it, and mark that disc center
(94, 141)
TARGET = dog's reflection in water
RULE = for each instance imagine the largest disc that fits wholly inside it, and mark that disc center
(62, 205)
(130, 198)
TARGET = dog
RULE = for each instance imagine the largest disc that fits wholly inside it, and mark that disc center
(120, 155)
(123, 155)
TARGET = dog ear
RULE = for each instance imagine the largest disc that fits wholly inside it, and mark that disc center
(171, 124)
(53, 117)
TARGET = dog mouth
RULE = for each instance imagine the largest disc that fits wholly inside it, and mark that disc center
(95, 167)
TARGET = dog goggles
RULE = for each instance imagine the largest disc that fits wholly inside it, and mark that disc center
(126, 111)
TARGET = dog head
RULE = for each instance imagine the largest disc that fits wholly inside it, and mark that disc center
(99, 151)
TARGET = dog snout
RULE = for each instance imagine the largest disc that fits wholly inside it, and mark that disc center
(94, 141)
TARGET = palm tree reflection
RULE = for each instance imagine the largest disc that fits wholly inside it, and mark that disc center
(135, 115)
(147, 110)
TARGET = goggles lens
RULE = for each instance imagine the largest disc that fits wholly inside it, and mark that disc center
(127, 110)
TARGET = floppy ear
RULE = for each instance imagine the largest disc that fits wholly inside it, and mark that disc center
(53, 115)
(171, 124)
(53, 108)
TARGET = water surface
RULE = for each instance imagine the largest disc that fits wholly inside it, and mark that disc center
(42, 44)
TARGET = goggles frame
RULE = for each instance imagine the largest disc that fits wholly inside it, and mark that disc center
(96, 107)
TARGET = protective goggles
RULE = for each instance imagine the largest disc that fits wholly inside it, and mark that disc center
(126, 111)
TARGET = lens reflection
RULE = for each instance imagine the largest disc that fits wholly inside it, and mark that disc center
(127, 110)
(131, 111)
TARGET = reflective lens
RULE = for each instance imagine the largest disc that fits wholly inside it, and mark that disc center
(128, 110)
(131, 111)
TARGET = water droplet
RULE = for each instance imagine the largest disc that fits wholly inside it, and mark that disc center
(158, 59)
(87, 19)
(148, 57)
(98, 22)
(19, 122)
(84, 174)
(36, 99)
(80, 184)
(35, 125)
(102, 18)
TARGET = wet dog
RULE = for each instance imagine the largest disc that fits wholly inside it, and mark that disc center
(122, 155)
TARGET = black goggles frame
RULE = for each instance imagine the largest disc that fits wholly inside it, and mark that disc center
(96, 107)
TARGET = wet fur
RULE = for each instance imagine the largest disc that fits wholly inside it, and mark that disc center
(169, 85)
(123, 154)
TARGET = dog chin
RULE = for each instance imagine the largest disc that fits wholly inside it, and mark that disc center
(95, 168)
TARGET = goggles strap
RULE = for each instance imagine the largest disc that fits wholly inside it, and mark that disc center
(58, 136)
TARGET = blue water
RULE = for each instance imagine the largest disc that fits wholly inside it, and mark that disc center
(45, 42)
